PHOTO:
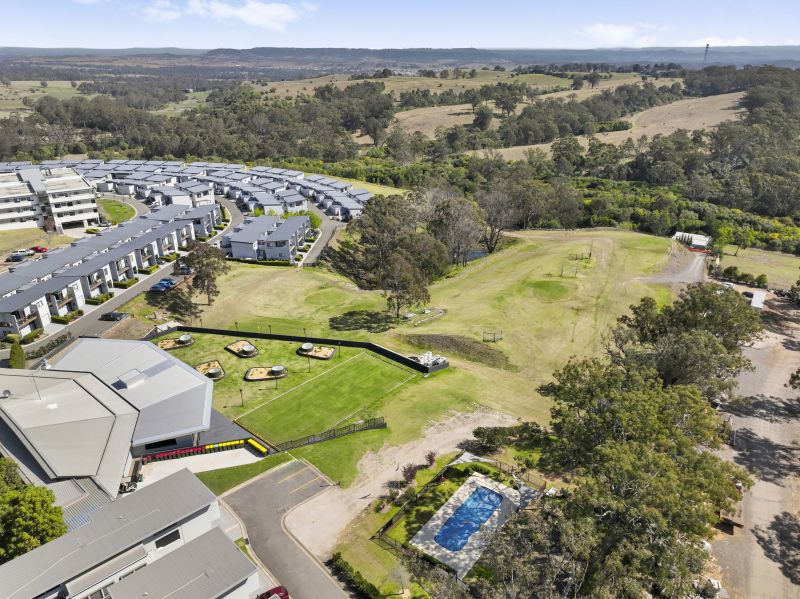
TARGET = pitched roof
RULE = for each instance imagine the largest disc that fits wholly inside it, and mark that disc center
(205, 568)
(113, 529)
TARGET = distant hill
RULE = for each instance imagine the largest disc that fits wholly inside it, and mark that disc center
(20, 52)
(690, 57)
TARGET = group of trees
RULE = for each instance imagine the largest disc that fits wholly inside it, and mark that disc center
(28, 517)
(636, 430)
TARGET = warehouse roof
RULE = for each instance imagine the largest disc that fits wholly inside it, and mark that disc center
(173, 398)
(71, 423)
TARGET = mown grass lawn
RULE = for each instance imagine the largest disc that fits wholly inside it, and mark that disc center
(348, 391)
(224, 479)
(782, 270)
(115, 211)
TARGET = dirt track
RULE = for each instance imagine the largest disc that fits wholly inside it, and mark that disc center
(762, 560)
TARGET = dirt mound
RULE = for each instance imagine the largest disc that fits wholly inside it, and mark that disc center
(461, 346)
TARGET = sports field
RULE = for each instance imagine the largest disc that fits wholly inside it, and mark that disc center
(340, 395)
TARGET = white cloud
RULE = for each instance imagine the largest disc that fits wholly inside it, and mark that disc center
(161, 10)
(274, 16)
(617, 35)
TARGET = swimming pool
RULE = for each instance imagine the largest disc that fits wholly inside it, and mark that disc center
(468, 518)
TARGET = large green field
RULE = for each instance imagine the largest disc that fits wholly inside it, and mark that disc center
(346, 392)
(543, 292)
(782, 270)
(11, 96)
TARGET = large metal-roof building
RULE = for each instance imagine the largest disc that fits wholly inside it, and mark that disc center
(172, 398)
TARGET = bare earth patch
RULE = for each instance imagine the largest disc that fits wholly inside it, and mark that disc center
(204, 368)
(319, 352)
(174, 343)
(264, 373)
(319, 523)
(239, 348)
(459, 345)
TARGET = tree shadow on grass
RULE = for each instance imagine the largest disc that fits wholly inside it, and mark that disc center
(771, 409)
(766, 459)
(177, 302)
(362, 320)
(781, 543)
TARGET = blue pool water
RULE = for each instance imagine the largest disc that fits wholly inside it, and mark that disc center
(468, 518)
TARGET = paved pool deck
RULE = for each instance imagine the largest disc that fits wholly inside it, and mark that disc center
(462, 560)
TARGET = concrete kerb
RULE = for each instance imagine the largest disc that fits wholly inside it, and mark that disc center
(250, 552)
(331, 485)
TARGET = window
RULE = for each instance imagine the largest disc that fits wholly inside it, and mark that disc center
(168, 539)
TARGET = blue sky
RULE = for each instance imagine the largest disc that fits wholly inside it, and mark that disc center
(398, 23)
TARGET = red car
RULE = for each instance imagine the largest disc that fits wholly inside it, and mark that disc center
(39, 249)
(276, 593)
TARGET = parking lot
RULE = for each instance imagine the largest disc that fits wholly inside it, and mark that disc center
(262, 504)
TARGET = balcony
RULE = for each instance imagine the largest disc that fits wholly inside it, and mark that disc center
(24, 320)
(63, 302)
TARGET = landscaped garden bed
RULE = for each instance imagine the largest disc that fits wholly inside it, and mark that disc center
(212, 369)
(318, 352)
(242, 348)
(176, 342)
(265, 373)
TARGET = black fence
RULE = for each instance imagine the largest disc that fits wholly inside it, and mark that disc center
(333, 433)
(373, 347)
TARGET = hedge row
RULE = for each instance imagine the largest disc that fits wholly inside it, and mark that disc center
(149, 270)
(262, 262)
(100, 299)
(32, 336)
(125, 284)
(67, 318)
(49, 346)
(170, 257)
(356, 580)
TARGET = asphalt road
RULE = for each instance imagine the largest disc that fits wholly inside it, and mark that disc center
(762, 560)
(327, 228)
(262, 504)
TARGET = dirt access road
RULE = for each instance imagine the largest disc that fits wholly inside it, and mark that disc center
(762, 560)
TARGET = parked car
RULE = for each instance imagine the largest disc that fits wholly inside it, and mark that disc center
(167, 282)
(22, 252)
(748, 294)
(185, 269)
(38, 249)
(276, 593)
(160, 288)
(114, 316)
(16, 257)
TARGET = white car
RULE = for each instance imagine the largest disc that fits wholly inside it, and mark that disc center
(23, 253)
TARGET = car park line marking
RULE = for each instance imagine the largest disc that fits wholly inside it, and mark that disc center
(285, 478)
(304, 485)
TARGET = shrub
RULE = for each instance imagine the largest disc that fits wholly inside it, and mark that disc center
(17, 357)
(183, 248)
(125, 284)
(68, 317)
(46, 348)
(430, 458)
(354, 577)
(761, 281)
(32, 336)
(746, 278)
(11, 338)
(202, 238)
(150, 269)
(170, 257)
(219, 227)
(731, 272)
(100, 299)
(92, 230)
(262, 262)
(410, 473)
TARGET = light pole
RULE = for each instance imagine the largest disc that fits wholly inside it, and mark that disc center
(241, 396)
(309, 363)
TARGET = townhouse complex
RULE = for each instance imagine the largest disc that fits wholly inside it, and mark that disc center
(62, 281)
(162, 541)
(273, 191)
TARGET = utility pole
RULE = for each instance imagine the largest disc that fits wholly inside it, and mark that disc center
(705, 56)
